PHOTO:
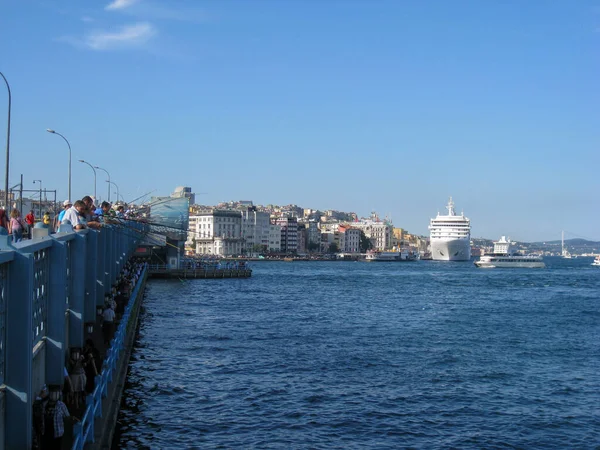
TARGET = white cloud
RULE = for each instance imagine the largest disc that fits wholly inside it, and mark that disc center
(125, 37)
(120, 4)
(87, 19)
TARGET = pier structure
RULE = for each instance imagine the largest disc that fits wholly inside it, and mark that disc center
(187, 270)
(52, 288)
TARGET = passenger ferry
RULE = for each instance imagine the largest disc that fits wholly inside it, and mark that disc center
(450, 236)
(505, 256)
(393, 255)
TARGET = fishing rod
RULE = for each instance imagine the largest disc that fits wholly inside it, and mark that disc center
(144, 233)
(143, 195)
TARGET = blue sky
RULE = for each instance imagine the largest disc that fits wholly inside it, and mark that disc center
(334, 104)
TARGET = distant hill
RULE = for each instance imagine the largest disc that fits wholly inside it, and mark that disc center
(570, 242)
(575, 246)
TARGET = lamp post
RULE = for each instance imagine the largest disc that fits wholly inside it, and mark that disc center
(7, 145)
(85, 162)
(40, 196)
(54, 132)
(112, 182)
(96, 167)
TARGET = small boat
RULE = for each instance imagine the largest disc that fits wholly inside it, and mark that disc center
(596, 261)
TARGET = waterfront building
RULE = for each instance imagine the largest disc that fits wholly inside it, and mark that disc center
(219, 233)
(289, 234)
(351, 239)
(313, 234)
(328, 237)
(339, 237)
(302, 239)
(275, 238)
(377, 231)
(256, 226)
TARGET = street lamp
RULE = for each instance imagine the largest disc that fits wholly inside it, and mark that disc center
(85, 162)
(96, 167)
(40, 196)
(112, 182)
(54, 132)
(7, 145)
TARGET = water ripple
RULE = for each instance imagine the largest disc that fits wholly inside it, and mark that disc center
(353, 356)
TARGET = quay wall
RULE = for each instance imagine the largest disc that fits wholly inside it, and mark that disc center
(50, 290)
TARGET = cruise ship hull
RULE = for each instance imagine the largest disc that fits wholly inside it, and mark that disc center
(451, 249)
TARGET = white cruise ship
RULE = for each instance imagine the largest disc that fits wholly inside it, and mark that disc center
(450, 236)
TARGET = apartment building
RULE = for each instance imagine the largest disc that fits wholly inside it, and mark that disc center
(289, 234)
(256, 226)
(218, 233)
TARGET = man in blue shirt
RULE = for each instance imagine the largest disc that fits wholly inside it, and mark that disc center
(66, 205)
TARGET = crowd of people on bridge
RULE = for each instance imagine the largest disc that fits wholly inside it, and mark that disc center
(81, 214)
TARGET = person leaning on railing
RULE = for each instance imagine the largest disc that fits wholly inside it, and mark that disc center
(76, 215)
(90, 213)
(104, 213)
(58, 219)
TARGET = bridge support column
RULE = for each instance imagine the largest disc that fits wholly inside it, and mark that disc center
(100, 281)
(19, 346)
(76, 305)
(57, 305)
(89, 308)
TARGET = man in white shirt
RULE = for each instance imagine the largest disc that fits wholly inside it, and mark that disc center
(75, 214)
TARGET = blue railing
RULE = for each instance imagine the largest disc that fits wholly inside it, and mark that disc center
(50, 287)
(83, 432)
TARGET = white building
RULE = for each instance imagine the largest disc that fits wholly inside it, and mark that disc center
(218, 233)
(256, 226)
(351, 240)
(274, 238)
(379, 232)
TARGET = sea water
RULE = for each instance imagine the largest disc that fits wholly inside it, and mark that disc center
(357, 355)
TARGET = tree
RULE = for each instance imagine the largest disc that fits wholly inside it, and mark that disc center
(333, 248)
(312, 246)
(364, 243)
